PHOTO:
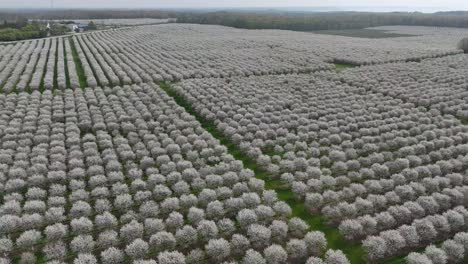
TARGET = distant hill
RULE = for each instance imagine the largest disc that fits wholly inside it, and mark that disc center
(452, 13)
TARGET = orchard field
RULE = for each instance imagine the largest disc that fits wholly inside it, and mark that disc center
(184, 143)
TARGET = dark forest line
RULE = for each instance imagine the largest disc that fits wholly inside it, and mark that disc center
(300, 21)
(324, 21)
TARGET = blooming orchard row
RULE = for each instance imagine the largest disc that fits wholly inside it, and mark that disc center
(367, 162)
(61, 78)
(422, 231)
(119, 173)
(421, 42)
(21, 80)
(174, 52)
(116, 174)
(50, 67)
(452, 251)
(40, 68)
(13, 62)
(435, 83)
(123, 22)
(181, 51)
(109, 68)
(70, 65)
(37, 64)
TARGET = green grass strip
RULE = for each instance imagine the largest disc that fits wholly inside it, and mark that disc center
(78, 65)
(353, 251)
(91, 66)
(41, 85)
(56, 68)
(65, 64)
(343, 66)
(362, 33)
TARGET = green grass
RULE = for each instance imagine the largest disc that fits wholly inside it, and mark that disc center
(65, 64)
(271, 152)
(41, 85)
(343, 66)
(91, 66)
(362, 33)
(55, 67)
(79, 67)
(353, 251)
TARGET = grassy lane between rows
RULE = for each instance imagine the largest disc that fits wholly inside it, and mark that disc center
(353, 251)
(65, 63)
(44, 70)
(88, 61)
(56, 67)
(343, 66)
(362, 33)
(78, 65)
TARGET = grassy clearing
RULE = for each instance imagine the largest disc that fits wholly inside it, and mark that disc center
(65, 65)
(41, 85)
(363, 33)
(343, 66)
(78, 65)
(56, 68)
(88, 61)
(353, 251)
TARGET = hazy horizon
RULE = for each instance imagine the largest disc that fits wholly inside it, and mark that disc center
(341, 5)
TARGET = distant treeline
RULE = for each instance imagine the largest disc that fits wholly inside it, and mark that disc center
(18, 27)
(300, 21)
(70, 14)
(323, 21)
(10, 20)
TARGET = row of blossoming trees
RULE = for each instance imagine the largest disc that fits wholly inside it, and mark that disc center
(116, 175)
(436, 83)
(174, 52)
(119, 173)
(181, 51)
(37, 65)
(380, 169)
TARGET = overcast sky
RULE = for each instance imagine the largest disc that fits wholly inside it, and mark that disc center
(397, 4)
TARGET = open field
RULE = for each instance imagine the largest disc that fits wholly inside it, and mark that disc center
(362, 33)
(183, 143)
